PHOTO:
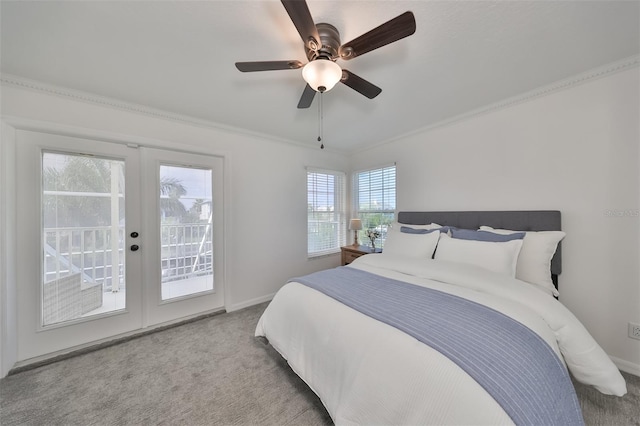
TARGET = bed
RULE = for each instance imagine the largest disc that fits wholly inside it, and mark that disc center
(453, 323)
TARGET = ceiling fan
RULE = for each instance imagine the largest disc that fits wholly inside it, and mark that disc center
(322, 47)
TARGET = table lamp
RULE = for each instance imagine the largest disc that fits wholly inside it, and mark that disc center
(355, 225)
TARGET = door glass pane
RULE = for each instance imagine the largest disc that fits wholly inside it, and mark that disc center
(186, 219)
(83, 236)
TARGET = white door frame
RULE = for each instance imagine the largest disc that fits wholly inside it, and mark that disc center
(11, 350)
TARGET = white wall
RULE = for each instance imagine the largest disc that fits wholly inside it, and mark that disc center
(266, 242)
(8, 294)
(576, 151)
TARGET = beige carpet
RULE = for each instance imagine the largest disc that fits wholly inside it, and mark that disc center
(208, 372)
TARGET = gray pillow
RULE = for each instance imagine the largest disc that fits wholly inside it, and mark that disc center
(469, 234)
(409, 230)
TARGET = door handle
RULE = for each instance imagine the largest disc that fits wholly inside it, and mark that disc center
(135, 247)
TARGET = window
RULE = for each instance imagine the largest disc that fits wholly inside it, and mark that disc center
(375, 201)
(326, 215)
(83, 253)
(185, 224)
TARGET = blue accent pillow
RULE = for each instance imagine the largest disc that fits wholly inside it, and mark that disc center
(469, 234)
(409, 230)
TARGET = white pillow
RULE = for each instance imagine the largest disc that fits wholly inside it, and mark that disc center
(499, 257)
(534, 262)
(411, 245)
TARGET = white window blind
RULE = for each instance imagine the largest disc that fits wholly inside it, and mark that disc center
(375, 200)
(326, 211)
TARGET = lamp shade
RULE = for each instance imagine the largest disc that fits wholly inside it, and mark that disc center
(355, 224)
(322, 74)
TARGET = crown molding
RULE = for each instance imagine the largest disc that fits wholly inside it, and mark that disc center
(576, 80)
(593, 74)
(81, 96)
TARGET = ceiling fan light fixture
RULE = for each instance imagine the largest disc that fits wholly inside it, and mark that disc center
(322, 74)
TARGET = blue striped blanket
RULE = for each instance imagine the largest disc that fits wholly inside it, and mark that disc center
(511, 362)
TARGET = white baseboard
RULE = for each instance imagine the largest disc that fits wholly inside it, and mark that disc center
(247, 303)
(626, 366)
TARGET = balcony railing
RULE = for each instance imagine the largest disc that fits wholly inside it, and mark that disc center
(86, 250)
(186, 251)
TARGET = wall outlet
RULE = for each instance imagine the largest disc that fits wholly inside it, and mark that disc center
(634, 331)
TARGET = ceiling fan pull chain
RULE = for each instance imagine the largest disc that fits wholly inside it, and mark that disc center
(320, 122)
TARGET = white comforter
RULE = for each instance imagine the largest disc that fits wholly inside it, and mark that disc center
(367, 372)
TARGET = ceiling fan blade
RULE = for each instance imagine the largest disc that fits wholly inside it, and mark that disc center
(299, 13)
(360, 85)
(398, 28)
(307, 97)
(268, 65)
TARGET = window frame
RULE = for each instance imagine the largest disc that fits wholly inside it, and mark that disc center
(362, 213)
(337, 217)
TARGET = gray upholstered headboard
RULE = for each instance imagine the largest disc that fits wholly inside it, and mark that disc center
(534, 220)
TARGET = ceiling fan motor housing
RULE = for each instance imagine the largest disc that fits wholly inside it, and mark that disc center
(330, 43)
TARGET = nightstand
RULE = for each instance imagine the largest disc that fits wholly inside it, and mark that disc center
(350, 253)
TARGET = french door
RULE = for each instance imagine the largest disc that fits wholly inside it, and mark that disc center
(113, 238)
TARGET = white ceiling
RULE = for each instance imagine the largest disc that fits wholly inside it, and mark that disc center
(179, 56)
